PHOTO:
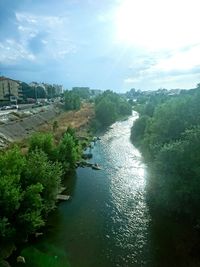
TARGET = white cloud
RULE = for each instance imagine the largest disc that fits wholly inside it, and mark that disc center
(48, 35)
(167, 70)
(50, 31)
(12, 52)
(180, 60)
(130, 80)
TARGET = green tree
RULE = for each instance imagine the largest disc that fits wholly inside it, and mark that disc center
(68, 151)
(12, 162)
(44, 142)
(40, 170)
(72, 100)
(138, 130)
(30, 213)
(106, 112)
(170, 140)
(175, 185)
(109, 107)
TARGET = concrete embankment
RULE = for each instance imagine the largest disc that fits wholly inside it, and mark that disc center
(19, 125)
(22, 125)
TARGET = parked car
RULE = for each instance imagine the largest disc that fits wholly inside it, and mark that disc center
(14, 106)
(6, 108)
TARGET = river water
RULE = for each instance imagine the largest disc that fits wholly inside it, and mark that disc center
(106, 222)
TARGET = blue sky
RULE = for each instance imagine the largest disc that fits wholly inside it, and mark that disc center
(103, 44)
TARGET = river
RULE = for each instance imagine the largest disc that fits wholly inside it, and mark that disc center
(106, 222)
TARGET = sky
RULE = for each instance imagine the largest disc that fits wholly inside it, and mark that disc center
(102, 44)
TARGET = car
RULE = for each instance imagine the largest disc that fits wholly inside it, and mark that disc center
(6, 107)
(14, 106)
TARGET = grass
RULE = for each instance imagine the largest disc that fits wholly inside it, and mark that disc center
(78, 120)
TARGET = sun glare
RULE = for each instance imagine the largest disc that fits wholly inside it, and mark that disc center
(156, 23)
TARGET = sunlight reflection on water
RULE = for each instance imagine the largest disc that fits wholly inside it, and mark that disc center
(106, 222)
(127, 173)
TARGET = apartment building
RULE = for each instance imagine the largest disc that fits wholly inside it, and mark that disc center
(9, 89)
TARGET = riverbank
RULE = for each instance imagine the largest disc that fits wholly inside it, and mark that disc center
(106, 221)
(172, 191)
(78, 119)
(24, 124)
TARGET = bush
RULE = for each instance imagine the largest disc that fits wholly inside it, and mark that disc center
(43, 142)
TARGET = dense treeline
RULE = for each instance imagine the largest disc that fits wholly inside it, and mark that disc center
(169, 138)
(38, 91)
(109, 107)
(72, 100)
(83, 92)
(33, 92)
(29, 183)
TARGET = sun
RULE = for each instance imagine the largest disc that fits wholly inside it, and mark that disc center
(157, 23)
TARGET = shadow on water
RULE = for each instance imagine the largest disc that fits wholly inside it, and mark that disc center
(173, 243)
(47, 251)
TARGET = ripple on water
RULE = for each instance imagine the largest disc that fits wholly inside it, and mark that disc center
(106, 222)
(129, 218)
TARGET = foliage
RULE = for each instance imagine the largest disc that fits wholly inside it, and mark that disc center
(170, 139)
(138, 131)
(68, 151)
(109, 107)
(12, 162)
(28, 188)
(72, 100)
(44, 142)
(106, 112)
(178, 176)
(82, 92)
(33, 92)
(48, 174)
(30, 213)
(29, 184)
(6, 229)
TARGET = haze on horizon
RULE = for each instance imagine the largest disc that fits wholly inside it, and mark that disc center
(107, 44)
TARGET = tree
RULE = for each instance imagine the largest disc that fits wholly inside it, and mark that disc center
(138, 129)
(82, 92)
(30, 213)
(44, 142)
(171, 136)
(40, 170)
(106, 112)
(72, 100)
(12, 162)
(68, 151)
(110, 106)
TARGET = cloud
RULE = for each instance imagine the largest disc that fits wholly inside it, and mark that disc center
(166, 68)
(130, 80)
(180, 60)
(12, 52)
(108, 43)
(41, 37)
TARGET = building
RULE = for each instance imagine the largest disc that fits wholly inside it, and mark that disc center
(58, 89)
(95, 92)
(10, 90)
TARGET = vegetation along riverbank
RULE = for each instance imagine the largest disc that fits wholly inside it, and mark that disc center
(168, 134)
(32, 171)
(110, 107)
